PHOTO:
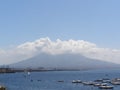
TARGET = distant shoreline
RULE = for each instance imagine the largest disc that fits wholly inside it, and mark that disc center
(15, 70)
(10, 70)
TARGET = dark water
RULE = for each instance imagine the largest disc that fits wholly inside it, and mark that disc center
(48, 80)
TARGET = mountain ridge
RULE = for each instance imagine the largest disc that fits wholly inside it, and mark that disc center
(66, 61)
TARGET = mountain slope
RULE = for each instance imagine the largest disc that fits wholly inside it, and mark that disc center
(66, 61)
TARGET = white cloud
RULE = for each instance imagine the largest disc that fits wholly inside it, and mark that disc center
(29, 49)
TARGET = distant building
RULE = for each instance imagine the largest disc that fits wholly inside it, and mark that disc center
(6, 70)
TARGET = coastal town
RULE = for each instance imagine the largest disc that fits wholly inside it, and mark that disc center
(13, 70)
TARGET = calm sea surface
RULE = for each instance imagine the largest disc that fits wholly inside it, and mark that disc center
(49, 80)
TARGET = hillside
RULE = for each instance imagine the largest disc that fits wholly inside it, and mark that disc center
(63, 61)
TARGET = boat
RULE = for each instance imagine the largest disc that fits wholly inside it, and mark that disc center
(100, 84)
(97, 84)
(60, 81)
(115, 82)
(104, 80)
(28, 73)
(76, 81)
(116, 79)
(98, 80)
(106, 87)
(89, 83)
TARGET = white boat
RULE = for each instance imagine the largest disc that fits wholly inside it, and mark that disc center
(115, 82)
(116, 79)
(89, 83)
(106, 87)
(104, 80)
(28, 73)
(100, 84)
(76, 81)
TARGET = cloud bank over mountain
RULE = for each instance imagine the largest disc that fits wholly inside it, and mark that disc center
(45, 45)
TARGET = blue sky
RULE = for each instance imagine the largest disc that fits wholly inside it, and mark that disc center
(95, 21)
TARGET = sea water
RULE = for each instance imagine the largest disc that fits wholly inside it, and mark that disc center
(49, 80)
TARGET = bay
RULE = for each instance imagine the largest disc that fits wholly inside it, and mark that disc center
(50, 80)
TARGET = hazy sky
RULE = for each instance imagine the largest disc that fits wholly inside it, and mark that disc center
(96, 21)
(87, 27)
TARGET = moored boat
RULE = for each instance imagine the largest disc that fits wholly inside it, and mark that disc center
(115, 82)
(60, 80)
(89, 83)
(100, 84)
(106, 87)
(76, 81)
